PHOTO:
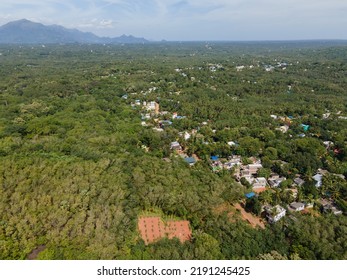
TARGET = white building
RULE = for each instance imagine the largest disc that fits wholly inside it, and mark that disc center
(259, 183)
(297, 206)
(274, 214)
(319, 179)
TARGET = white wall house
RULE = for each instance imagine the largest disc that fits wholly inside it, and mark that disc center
(274, 214)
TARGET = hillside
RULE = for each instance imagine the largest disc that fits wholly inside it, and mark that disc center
(28, 32)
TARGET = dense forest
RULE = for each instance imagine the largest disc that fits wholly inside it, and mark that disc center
(81, 158)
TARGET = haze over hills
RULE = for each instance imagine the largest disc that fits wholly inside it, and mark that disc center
(28, 32)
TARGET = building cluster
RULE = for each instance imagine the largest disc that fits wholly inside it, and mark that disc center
(245, 170)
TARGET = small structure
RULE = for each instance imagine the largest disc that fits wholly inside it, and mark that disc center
(253, 168)
(232, 143)
(250, 195)
(328, 144)
(234, 161)
(175, 146)
(274, 214)
(259, 183)
(186, 136)
(190, 160)
(306, 127)
(329, 207)
(152, 106)
(275, 181)
(283, 128)
(299, 182)
(319, 180)
(214, 158)
(297, 206)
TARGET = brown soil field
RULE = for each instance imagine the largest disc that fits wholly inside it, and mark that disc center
(153, 228)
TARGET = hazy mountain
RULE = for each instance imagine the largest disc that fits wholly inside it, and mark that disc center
(28, 32)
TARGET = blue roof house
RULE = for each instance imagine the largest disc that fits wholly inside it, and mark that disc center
(306, 127)
(250, 195)
(214, 158)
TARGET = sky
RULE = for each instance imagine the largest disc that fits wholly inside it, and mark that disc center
(189, 20)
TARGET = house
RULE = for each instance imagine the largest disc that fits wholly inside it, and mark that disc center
(245, 173)
(232, 143)
(232, 161)
(229, 165)
(306, 127)
(145, 116)
(240, 68)
(214, 158)
(253, 168)
(250, 195)
(254, 160)
(190, 160)
(299, 182)
(269, 68)
(175, 146)
(235, 159)
(283, 128)
(165, 123)
(152, 106)
(326, 115)
(293, 192)
(319, 179)
(328, 144)
(259, 183)
(180, 117)
(158, 129)
(275, 180)
(274, 214)
(186, 136)
(297, 206)
(329, 207)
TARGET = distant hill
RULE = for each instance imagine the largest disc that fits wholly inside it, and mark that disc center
(28, 32)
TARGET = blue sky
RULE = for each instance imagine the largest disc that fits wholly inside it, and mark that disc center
(189, 19)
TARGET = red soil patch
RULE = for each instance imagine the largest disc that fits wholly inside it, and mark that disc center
(259, 190)
(254, 221)
(153, 228)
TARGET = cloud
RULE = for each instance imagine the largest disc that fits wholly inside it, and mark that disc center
(97, 23)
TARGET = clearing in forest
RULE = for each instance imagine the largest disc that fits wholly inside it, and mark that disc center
(153, 228)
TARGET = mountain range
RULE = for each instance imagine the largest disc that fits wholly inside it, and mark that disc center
(28, 32)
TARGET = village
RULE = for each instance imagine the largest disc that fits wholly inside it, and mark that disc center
(261, 184)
